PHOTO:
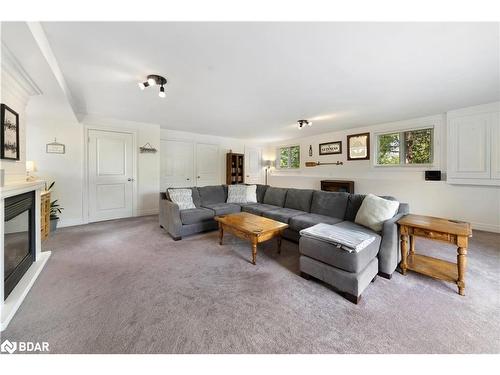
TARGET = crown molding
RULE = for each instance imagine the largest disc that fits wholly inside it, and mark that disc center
(13, 68)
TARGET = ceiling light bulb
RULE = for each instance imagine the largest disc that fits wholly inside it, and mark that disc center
(309, 123)
(151, 81)
(162, 94)
(143, 85)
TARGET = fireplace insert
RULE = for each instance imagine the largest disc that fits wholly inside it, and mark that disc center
(19, 238)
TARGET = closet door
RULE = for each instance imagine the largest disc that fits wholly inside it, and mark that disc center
(176, 164)
(253, 165)
(469, 146)
(207, 164)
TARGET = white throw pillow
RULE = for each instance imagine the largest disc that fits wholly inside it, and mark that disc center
(251, 193)
(236, 194)
(182, 197)
(374, 211)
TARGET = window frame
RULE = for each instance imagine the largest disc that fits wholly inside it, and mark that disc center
(402, 149)
(278, 157)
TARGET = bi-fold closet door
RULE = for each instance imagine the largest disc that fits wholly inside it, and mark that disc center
(184, 163)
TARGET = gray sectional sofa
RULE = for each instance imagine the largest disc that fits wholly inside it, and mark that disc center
(300, 208)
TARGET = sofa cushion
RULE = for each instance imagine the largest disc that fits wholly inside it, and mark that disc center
(224, 208)
(337, 257)
(374, 211)
(196, 215)
(299, 199)
(297, 223)
(329, 203)
(182, 198)
(258, 208)
(282, 214)
(261, 192)
(212, 194)
(251, 194)
(354, 203)
(275, 196)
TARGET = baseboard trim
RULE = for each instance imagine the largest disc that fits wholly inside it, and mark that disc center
(486, 227)
(153, 211)
(70, 222)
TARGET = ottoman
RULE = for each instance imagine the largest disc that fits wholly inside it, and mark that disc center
(347, 272)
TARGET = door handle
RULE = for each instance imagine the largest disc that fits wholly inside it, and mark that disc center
(197, 176)
(248, 175)
(187, 179)
(130, 179)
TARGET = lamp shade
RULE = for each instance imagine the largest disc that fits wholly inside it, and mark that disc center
(30, 166)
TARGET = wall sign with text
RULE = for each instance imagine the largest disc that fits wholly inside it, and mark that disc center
(330, 148)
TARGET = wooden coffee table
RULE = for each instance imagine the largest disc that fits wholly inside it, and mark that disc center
(253, 228)
(455, 232)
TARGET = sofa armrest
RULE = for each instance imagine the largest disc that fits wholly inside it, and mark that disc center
(170, 218)
(389, 254)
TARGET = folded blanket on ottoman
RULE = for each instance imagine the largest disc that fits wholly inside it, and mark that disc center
(347, 239)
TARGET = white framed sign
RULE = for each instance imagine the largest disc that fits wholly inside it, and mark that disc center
(55, 148)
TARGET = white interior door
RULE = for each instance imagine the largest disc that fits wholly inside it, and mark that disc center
(495, 146)
(110, 175)
(207, 164)
(176, 164)
(253, 165)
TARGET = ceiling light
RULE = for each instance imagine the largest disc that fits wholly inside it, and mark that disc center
(302, 123)
(153, 80)
(161, 94)
(143, 85)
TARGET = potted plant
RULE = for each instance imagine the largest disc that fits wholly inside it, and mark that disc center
(55, 210)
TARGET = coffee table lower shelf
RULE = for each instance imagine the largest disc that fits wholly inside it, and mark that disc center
(433, 267)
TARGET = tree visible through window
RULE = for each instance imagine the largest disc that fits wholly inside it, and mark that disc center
(289, 157)
(402, 148)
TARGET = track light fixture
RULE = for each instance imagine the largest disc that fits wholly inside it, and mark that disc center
(303, 123)
(153, 80)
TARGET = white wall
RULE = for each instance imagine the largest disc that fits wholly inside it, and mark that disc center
(476, 204)
(225, 145)
(14, 95)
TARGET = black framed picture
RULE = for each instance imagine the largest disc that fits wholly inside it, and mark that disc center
(9, 134)
(330, 148)
(358, 146)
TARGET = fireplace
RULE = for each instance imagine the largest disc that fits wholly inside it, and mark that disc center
(19, 238)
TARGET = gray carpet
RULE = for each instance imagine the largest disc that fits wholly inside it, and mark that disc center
(125, 287)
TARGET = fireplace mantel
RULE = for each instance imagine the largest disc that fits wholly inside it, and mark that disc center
(9, 306)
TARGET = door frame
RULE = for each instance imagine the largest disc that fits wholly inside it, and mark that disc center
(86, 180)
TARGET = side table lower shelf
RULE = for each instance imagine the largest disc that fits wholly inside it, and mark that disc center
(433, 267)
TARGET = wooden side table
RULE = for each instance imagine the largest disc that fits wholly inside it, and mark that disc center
(434, 228)
(45, 215)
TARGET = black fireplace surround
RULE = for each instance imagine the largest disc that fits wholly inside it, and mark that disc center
(19, 238)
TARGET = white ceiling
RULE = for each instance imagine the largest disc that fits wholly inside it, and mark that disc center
(254, 80)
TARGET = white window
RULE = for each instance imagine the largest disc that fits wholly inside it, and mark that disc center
(404, 148)
(289, 157)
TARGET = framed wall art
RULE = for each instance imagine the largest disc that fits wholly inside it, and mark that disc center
(9, 134)
(358, 146)
(330, 148)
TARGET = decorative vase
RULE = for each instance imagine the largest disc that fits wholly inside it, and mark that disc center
(53, 224)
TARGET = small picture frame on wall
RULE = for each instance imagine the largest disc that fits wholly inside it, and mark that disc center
(330, 148)
(358, 146)
(55, 148)
(9, 134)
